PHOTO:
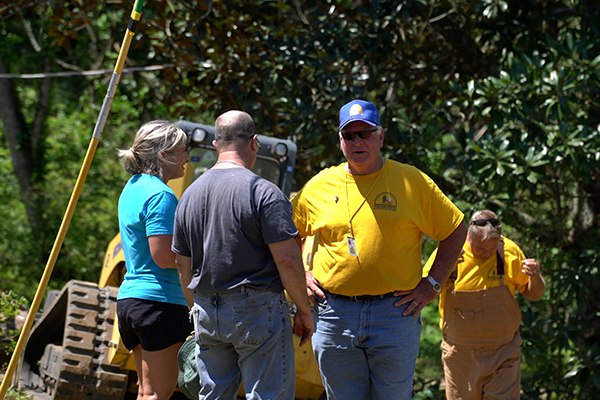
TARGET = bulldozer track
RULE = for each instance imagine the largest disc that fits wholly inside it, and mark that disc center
(72, 362)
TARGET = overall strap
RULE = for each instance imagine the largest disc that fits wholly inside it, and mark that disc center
(499, 261)
(454, 272)
(500, 257)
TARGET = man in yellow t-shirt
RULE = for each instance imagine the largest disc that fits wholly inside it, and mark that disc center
(479, 316)
(370, 214)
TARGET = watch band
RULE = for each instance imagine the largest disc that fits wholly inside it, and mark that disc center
(436, 285)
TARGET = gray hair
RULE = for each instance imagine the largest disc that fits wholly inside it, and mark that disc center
(152, 142)
(233, 126)
(486, 231)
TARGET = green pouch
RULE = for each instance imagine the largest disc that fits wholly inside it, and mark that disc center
(188, 379)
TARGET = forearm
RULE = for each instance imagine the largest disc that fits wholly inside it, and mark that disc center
(294, 281)
(288, 259)
(447, 254)
(160, 249)
(186, 273)
(535, 288)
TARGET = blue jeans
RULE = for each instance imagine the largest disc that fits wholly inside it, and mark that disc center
(366, 349)
(244, 336)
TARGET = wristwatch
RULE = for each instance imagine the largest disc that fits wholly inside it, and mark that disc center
(436, 285)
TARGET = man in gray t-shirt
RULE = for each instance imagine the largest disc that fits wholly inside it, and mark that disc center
(236, 251)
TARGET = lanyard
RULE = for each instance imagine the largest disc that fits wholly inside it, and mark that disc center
(350, 218)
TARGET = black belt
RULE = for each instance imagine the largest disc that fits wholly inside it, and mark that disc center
(364, 297)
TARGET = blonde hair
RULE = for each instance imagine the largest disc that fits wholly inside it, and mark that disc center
(152, 142)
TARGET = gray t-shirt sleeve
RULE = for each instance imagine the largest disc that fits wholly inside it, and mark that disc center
(275, 216)
(180, 244)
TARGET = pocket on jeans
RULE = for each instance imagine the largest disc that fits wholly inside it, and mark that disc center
(254, 324)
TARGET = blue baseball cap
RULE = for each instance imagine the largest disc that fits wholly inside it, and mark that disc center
(359, 110)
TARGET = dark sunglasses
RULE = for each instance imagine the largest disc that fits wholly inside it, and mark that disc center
(483, 222)
(366, 134)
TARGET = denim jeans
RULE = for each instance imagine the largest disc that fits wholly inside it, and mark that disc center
(244, 336)
(366, 349)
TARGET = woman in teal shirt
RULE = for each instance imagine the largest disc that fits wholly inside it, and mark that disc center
(151, 307)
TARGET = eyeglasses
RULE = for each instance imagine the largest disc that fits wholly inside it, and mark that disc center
(483, 222)
(366, 134)
(252, 137)
(257, 142)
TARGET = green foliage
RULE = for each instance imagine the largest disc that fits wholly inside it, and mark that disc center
(13, 252)
(10, 307)
(14, 394)
(94, 222)
(496, 100)
(535, 156)
(429, 372)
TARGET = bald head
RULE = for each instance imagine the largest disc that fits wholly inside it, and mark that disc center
(234, 128)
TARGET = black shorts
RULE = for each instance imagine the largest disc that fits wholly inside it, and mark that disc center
(152, 324)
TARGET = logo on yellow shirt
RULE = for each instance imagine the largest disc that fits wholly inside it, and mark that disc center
(493, 274)
(385, 201)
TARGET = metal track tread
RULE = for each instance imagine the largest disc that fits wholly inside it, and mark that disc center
(79, 368)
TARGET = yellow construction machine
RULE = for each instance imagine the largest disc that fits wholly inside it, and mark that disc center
(74, 350)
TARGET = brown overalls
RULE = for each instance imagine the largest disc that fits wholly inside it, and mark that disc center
(481, 350)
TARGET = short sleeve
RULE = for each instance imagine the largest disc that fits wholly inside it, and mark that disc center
(160, 214)
(180, 243)
(300, 214)
(443, 217)
(276, 217)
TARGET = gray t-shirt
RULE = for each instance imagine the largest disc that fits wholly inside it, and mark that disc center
(224, 222)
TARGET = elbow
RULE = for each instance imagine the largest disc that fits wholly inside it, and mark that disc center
(531, 296)
(165, 263)
(286, 262)
(534, 295)
(289, 262)
(534, 298)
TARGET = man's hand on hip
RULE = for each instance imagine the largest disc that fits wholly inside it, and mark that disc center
(418, 298)
(313, 288)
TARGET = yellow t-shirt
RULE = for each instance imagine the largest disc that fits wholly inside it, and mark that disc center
(387, 226)
(473, 274)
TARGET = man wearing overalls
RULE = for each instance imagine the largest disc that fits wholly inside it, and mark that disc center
(479, 316)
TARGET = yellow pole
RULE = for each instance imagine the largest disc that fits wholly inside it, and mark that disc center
(37, 299)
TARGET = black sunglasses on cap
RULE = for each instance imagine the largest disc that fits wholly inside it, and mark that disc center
(482, 222)
(366, 134)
